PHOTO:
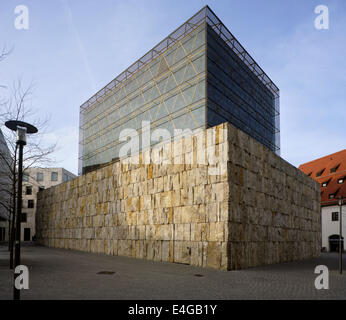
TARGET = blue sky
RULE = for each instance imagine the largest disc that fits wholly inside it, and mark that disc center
(73, 48)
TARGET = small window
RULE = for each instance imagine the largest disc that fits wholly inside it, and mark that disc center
(318, 174)
(335, 216)
(31, 204)
(340, 181)
(23, 219)
(66, 178)
(333, 195)
(39, 176)
(310, 174)
(324, 184)
(28, 190)
(332, 170)
(25, 177)
(54, 176)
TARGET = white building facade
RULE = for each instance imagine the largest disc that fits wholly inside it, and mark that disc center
(331, 226)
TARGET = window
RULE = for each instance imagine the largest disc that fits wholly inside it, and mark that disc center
(30, 203)
(54, 176)
(27, 234)
(318, 174)
(25, 177)
(39, 176)
(28, 190)
(41, 188)
(324, 184)
(340, 181)
(332, 170)
(23, 219)
(65, 177)
(309, 174)
(335, 216)
(333, 195)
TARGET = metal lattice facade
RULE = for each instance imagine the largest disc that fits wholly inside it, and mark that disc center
(197, 77)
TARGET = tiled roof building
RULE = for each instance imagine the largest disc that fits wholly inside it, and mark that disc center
(330, 172)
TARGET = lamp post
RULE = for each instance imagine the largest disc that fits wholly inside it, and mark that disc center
(340, 234)
(22, 128)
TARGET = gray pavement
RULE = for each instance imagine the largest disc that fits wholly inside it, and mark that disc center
(66, 274)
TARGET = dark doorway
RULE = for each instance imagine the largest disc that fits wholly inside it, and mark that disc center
(26, 234)
(2, 234)
(334, 243)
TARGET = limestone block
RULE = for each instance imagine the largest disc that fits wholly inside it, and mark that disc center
(115, 247)
(125, 248)
(168, 183)
(165, 251)
(176, 181)
(200, 231)
(186, 196)
(217, 231)
(150, 215)
(223, 211)
(167, 199)
(158, 185)
(186, 214)
(157, 253)
(214, 254)
(132, 233)
(212, 212)
(149, 232)
(196, 254)
(199, 194)
(197, 213)
(131, 218)
(182, 252)
(182, 232)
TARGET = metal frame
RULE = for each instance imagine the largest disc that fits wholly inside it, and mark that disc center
(204, 15)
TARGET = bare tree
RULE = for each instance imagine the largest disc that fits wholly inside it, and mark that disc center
(36, 153)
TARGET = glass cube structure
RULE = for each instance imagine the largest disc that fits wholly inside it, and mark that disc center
(197, 77)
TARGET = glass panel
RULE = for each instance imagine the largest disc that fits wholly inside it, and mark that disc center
(159, 92)
(236, 95)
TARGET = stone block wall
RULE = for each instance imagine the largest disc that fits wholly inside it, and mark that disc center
(258, 210)
(274, 212)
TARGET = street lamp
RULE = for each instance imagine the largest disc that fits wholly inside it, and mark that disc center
(340, 234)
(22, 128)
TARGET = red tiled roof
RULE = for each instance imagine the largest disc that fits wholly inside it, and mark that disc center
(327, 163)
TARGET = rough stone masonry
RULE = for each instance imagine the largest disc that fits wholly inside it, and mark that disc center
(261, 210)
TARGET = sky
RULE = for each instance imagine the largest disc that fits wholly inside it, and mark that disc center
(73, 48)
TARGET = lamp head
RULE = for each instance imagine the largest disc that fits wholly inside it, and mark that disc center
(21, 135)
(22, 128)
